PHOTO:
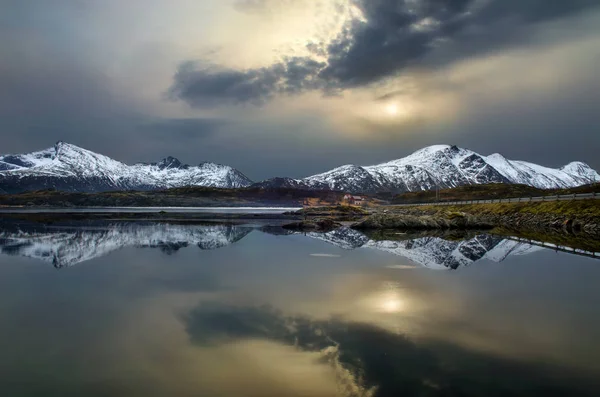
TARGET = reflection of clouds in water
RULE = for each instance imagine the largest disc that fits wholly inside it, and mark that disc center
(380, 362)
(152, 350)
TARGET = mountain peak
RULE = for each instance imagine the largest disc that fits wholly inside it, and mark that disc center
(170, 162)
(434, 148)
(496, 156)
(580, 169)
(576, 164)
(59, 145)
(62, 144)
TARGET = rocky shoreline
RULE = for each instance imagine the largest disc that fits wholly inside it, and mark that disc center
(461, 221)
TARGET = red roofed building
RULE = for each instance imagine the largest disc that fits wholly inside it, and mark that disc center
(354, 200)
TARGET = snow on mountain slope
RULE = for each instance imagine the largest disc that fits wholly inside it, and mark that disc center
(446, 166)
(69, 167)
(344, 238)
(67, 247)
(347, 178)
(438, 253)
(573, 174)
(509, 247)
(581, 170)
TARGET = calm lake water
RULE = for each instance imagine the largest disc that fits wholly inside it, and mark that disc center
(225, 310)
(147, 210)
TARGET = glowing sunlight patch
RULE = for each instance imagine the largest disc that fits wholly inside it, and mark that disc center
(392, 109)
(388, 301)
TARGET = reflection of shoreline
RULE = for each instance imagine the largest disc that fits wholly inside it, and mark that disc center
(557, 247)
(64, 246)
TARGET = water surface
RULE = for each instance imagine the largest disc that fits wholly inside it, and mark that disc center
(124, 309)
(146, 210)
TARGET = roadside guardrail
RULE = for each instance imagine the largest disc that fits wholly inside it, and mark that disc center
(561, 197)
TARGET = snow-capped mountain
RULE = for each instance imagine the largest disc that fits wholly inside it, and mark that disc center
(71, 168)
(63, 247)
(444, 166)
(433, 252)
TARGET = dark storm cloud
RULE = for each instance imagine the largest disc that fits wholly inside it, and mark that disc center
(395, 34)
(212, 85)
(391, 38)
(533, 10)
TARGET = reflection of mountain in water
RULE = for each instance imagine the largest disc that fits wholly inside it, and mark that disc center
(67, 246)
(433, 252)
(72, 245)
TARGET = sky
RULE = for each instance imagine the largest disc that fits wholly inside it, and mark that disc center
(297, 87)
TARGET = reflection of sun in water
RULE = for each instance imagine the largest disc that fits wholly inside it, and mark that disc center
(388, 300)
(391, 303)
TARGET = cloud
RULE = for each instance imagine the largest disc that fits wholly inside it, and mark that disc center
(386, 37)
(64, 75)
(205, 86)
(257, 6)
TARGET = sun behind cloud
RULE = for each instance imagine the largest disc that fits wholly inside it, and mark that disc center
(392, 109)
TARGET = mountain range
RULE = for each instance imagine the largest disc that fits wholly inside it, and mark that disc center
(71, 168)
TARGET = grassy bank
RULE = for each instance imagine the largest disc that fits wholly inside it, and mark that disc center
(558, 216)
(580, 209)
